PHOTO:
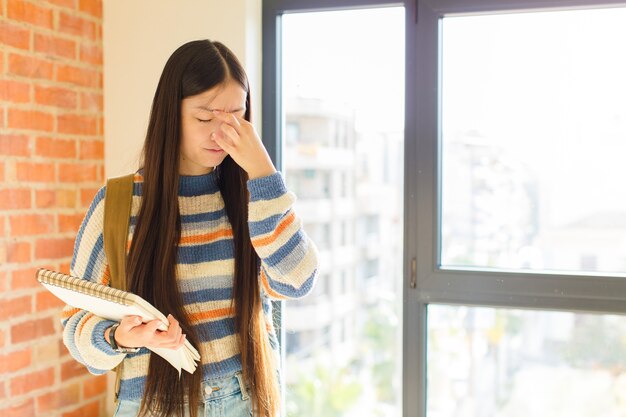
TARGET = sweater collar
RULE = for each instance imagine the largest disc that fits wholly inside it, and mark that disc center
(190, 185)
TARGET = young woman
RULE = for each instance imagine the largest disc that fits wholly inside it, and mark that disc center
(213, 239)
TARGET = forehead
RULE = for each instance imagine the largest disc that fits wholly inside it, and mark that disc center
(227, 97)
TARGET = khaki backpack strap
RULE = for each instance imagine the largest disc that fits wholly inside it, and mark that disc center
(117, 210)
(117, 204)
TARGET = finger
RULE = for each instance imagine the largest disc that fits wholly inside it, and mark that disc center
(153, 325)
(229, 118)
(131, 321)
(230, 132)
(223, 142)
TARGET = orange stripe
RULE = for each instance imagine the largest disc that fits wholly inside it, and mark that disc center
(270, 291)
(212, 314)
(206, 237)
(83, 321)
(263, 241)
(66, 314)
(106, 276)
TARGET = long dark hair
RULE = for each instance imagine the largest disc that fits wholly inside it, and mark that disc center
(194, 68)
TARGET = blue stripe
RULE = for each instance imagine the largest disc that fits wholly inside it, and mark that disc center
(194, 218)
(93, 259)
(92, 207)
(215, 330)
(264, 226)
(133, 388)
(214, 251)
(289, 290)
(267, 188)
(222, 368)
(98, 340)
(285, 250)
(207, 294)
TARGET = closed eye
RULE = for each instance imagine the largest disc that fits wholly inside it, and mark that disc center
(204, 121)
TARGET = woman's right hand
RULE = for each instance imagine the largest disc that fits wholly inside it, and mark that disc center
(133, 333)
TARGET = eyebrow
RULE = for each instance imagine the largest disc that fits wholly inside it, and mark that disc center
(210, 110)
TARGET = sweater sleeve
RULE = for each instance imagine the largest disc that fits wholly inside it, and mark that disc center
(83, 332)
(288, 256)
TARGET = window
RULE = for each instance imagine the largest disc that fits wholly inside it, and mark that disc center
(488, 251)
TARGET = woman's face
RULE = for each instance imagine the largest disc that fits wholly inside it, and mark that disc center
(199, 153)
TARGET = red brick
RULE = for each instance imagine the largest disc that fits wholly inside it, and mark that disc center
(47, 353)
(55, 198)
(91, 409)
(24, 384)
(14, 35)
(31, 224)
(25, 408)
(55, 46)
(70, 223)
(30, 119)
(2, 230)
(16, 307)
(71, 369)
(70, 4)
(1, 338)
(90, 149)
(35, 172)
(45, 300)
(4, 277)
(32, 329)
(78, 172)
(14, 361)
(30, 67)
(77, 124)
(87, 195)
(18, 252)
(95, 386)
(79, 76)
(92, 7)
(55, 148)
(14, 145)
(26, 278)
(91, 54)
(55, 96)
(92, 102)
(3, 394)
(64, 268)
(1, 171)
(15, 198)
(74, 25)
(14, 91)
(66, 395)
(54, 248)
(24, 11)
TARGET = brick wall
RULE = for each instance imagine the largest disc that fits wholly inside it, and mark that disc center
(51, 164)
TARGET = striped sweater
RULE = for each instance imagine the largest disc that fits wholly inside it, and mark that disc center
(204, 271)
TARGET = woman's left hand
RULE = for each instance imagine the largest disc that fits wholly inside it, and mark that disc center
(240, 140)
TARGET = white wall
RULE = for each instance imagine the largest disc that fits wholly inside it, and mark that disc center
(139, 36)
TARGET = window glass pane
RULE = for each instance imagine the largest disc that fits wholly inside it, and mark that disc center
(524, 363)
(343, 158)
(533, 138)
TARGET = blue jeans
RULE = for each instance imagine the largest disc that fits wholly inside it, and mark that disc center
(222, 397)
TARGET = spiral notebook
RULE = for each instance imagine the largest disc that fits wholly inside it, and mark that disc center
(114, 304)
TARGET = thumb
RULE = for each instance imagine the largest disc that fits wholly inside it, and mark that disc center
(131, 321)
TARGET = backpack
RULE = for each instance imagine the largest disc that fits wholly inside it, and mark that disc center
(117, 209)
